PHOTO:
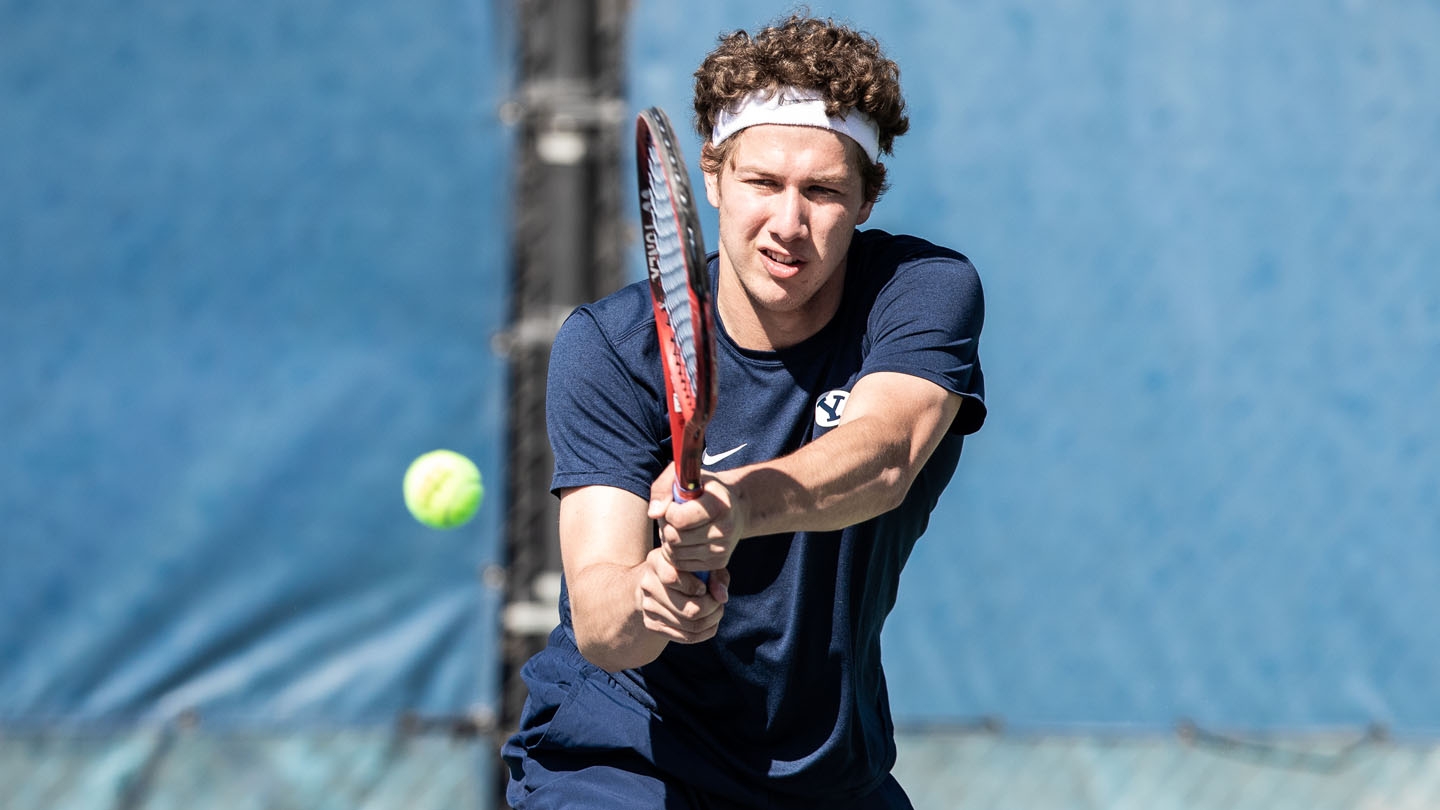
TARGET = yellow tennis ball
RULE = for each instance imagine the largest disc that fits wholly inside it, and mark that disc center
(443, 489)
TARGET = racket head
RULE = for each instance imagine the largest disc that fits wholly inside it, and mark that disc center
(679, 290)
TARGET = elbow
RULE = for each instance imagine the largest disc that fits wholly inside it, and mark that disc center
(893, 484)
(595, 647)
(899, 465)
(900, 469)
(613, 653)
(607, 626)
(601, 654)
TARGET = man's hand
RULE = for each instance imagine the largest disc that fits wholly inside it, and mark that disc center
(627, 599)
(698, 535)
(678, 605)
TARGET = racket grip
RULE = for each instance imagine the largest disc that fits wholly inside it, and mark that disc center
(682, 495)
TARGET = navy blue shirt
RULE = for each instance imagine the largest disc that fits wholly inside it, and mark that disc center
(789, 698)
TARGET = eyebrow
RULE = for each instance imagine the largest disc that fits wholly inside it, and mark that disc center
(826, 179)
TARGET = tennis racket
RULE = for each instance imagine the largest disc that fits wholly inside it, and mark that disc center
(680, 292)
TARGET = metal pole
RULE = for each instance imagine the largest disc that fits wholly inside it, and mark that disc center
(568, 244)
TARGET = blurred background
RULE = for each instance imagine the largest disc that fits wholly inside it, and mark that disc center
(255, 257)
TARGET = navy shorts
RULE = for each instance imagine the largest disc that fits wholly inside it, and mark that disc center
(634, 785)
(585, 742)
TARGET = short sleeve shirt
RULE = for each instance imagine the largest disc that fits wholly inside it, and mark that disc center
(789, 697)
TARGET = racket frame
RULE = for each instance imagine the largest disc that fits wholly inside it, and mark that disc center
(691, 399)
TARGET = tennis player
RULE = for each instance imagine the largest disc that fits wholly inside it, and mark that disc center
(848, 377)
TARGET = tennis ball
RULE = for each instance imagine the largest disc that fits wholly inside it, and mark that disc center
(443, 489)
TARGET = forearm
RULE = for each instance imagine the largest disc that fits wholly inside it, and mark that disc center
(861, 469)
(848, 476)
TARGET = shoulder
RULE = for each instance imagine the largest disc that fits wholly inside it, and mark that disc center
(622, 322)
(879, 259)
(608, 346)
(887, 267)
(604, 397)
(878, 249)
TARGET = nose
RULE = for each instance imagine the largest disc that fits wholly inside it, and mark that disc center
(790, 219)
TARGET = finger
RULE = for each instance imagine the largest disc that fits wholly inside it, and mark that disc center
(708, 548)
(720, 585)
(688, 610)
(711, 516)
(715, 534)
(689, 633)
(704, 556)
(694, 514)
(681, 595)
(672, 578)
(677, 626)
(692, 528)
(689, 619)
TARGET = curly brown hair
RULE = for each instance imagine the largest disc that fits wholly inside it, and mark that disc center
(845, 65)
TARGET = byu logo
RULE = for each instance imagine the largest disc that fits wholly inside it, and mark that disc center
(829, 407)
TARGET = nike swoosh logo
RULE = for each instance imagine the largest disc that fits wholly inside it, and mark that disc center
(707, 459)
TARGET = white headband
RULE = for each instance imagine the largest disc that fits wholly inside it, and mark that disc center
(796, 107)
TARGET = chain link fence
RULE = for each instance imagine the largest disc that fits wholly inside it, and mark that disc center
(1190, 769)
(189, 769)
(941, 768)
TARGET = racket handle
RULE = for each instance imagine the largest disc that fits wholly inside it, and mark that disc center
(683, 495)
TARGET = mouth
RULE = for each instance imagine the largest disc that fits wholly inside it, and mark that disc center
(781, 265)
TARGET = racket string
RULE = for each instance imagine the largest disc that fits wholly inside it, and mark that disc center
(670, 254)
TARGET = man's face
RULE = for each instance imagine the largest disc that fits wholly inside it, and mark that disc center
(789, 199)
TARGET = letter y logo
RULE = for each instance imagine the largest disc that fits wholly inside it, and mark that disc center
(829, 407)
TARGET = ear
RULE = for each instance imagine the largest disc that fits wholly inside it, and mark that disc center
(864, 212)
(712, 189)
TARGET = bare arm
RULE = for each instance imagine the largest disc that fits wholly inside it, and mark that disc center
(627, 601)
(864, 467)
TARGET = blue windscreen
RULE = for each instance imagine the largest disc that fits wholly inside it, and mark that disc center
(1207, 234)
(252, 256)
